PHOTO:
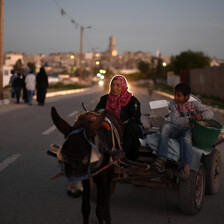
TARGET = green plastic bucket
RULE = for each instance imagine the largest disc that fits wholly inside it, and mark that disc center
(205, 133)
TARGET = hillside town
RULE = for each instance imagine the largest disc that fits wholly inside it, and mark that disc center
(63, 65)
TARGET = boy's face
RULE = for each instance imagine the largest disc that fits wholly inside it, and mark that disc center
(180, 98)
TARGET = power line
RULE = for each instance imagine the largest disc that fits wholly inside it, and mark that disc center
(72, 20)
(64, 13)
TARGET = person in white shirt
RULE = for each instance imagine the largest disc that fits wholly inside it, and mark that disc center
(30, 86)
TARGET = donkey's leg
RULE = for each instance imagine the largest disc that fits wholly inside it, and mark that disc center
(100, 183)
(86, 201)
(103, 181)
(107, 193)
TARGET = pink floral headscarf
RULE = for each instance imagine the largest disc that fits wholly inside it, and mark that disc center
(115, 103)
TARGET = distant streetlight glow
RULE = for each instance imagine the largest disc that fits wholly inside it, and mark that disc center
(97, 62)
(102, 77)
(164, 64)
(101, 82)
(72, 57)
(102, 71)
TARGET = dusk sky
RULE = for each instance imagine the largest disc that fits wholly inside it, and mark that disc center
(172, 26)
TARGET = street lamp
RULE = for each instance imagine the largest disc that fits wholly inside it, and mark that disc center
(81, 47)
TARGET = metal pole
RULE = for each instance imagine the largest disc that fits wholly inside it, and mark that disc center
(1, 46)
(80, 56)
(81, 47)
(92, 62)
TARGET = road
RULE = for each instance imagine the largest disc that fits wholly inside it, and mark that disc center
(28, 195)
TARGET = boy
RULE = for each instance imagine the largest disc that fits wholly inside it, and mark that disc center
(183, 108)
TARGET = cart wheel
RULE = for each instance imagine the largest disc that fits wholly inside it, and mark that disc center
(213, 166)
(191, 192)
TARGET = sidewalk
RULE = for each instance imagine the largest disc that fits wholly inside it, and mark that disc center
(55, 93)
(49, 94)
(6, 101)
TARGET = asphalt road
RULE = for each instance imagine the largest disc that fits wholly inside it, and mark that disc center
(28, 195)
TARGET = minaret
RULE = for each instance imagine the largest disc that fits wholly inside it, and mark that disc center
(157, 53)
(112, 47)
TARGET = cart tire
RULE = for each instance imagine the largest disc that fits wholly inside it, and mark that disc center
(191, 192)
(213, 167)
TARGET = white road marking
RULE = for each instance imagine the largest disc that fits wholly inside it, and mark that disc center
(8, 161)
(52, 128)
(49, 130)
(73, 113)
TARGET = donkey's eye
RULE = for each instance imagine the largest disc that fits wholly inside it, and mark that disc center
(85, 160)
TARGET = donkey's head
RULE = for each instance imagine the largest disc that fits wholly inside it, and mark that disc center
(76, 150)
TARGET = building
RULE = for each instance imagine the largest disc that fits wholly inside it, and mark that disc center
(37, 59)
(11, 58)
(6, 74)
(68, 62)
(112, 49)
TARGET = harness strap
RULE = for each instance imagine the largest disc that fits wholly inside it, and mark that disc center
(85, 136)
(92, 174)
(114, 133)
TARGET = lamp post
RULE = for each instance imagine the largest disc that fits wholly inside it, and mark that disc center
(81, 48)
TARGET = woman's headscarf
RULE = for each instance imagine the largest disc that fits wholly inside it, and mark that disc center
(115, 103)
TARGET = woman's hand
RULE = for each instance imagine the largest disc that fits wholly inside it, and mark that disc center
(197, 117)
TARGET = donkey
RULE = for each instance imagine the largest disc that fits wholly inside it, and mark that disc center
(75, 155)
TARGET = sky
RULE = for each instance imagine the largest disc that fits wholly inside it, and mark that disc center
(170, 26)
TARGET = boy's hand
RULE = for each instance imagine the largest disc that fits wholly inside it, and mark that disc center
(197, 117)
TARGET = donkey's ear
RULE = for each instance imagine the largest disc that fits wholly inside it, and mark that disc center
(59, 122)
(97, 123)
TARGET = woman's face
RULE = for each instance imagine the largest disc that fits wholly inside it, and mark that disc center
(115, 87)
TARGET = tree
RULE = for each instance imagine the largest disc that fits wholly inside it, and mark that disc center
(144, 68)
(18, 67)
(190, 60)
(32, 66)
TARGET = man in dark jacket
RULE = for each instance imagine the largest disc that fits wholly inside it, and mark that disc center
(18, 84)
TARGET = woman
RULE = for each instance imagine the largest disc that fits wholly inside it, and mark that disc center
(42, 85)
(127, 108)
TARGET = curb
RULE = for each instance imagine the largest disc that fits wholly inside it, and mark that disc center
(6, 101)
(49, 94)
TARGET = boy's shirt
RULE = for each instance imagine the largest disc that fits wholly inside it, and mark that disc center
(180, 114)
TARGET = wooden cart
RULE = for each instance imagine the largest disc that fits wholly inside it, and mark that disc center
(191, 191)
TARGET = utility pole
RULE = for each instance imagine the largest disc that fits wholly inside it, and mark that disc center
(93, 62)
(81, 49)
(80, 55)
(1, 46)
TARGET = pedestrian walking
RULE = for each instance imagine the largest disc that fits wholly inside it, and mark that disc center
(25, 93)
(18, 84)
(12, 78)
(42, 85)
(30, 86)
